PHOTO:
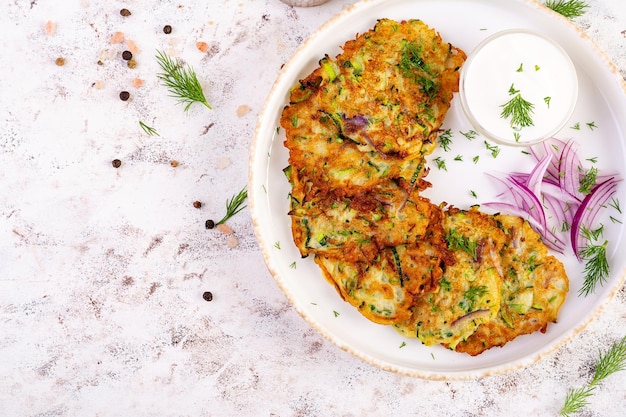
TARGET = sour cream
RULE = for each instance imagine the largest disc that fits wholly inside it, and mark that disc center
(518, 62)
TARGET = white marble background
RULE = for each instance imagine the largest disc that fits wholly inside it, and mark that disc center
(102, 270)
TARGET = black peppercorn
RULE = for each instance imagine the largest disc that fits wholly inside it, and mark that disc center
(197, 204)
(207, 295)
(124, 95)
(116, 163)
(209, 224)
(126, 55)
(167, 29)
(125, 12)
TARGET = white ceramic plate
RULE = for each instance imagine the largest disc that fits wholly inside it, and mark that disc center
(464, 23)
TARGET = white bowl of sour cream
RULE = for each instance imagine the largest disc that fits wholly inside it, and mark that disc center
(518, 87)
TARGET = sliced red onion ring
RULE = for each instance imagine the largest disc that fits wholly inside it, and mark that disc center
(549, 197)
(570, 170)
(587, 212)
(535, 179)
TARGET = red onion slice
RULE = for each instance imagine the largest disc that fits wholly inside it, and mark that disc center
(570, 170)
(549, 197)
(587, 212)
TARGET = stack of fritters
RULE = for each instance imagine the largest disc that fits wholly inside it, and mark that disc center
(358, 129)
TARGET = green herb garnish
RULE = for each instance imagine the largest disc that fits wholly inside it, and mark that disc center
(596, 264)
(470, 134)
(615, 204)
(591, 125)
(456, 241)
(519, 110)
(547, 100)
(609, 362)
(149, 130)
(568, 8)
(494, 149)
(588, 180)
(234, 205)
(414, 67)
(513, 90)
(445, 140)
(181, 81)
(474, 293)
(441, 163)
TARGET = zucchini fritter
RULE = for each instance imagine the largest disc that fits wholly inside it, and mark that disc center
(534, 286)
(469, 290)
(386, 288)
(372, 114)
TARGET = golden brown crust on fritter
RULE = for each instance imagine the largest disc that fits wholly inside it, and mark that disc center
(534, 288)
(469, 290)
(372, 113)
(355, 228)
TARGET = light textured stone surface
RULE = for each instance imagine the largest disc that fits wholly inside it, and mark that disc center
(102, 270)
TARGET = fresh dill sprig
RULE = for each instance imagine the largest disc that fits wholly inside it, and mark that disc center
(588, 180)
(609, 362)
(149, 130)
(414, 67)
(445, 140)
(547, 100)
(576, 400)
(470, 134)
(441, 163)
(615, 204)
(474, 293)
(456, 241)
(234, 205)
(613, 360)
(181, 81)
(596, 267)
(494, 149)
(596, 264)
(568, 8)
(519, 110)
